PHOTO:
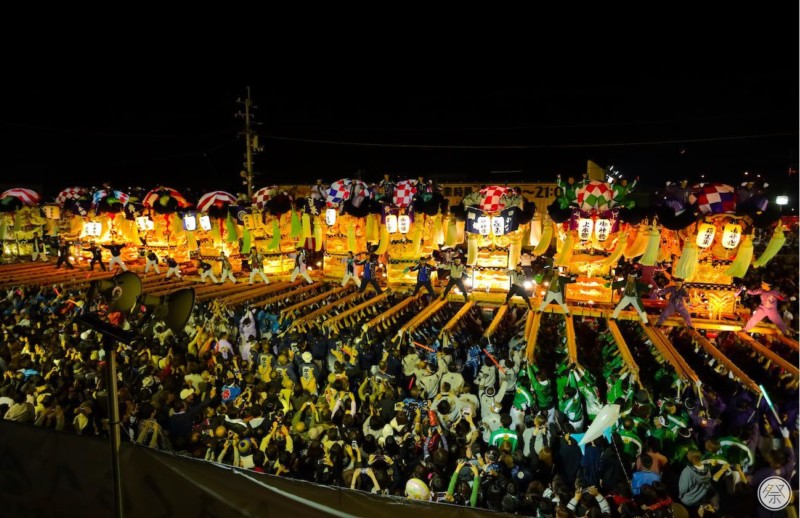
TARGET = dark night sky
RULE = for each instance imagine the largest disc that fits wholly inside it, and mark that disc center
(152, 115)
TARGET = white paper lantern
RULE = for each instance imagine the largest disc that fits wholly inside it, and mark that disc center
(602, 228)
(391, 223)
(484, 225)
(705, 235)
(189, 223)
(585, 227)
(330, 217)
(731, 235)
(205, 223)
(404, 224)
(92, 228)
(498, 225)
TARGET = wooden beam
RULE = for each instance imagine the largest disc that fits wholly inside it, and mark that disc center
(720, 357)
(293, 293)
(788, 341)
(668, 353)
(768, 353)
(453, 321)
(309, 318)
(572, 347)
(300, 305)
(534, 333)
(389, 313)
(333, 322)
(496, 321)
(624, 350)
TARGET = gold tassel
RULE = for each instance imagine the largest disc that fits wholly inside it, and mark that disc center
(564, 256)
(351, 237)
(472, 250)
(438, 231)
(177, 225)
(318, 233)
(514, 249)
(372, 234)
(416, 237)
(653, 243)
(452, 232)
(622, 242)
(17, 221)
(306, 227)
(773, 247)
(744, 256)
(216, 233)
(191, 241)
(687, 264)
(3, 228)
(547, 237)
(383, 245)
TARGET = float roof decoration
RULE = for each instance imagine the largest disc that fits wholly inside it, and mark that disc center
(215, 199)
(263, 195)
(713, 198)
(596, 195)
(155, 195)
(492, 198)
(26, 196)
(404, 192)
(339, 191)
(71, 193)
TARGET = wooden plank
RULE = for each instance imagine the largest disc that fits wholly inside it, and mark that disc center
(720, 357)
(768, 353)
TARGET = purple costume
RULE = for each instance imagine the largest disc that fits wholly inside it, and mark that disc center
(768, 308)
(676, 303)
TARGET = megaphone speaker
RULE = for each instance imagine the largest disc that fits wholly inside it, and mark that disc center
(174, 309)
(121, 291)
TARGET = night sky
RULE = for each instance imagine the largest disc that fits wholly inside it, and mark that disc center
(661, 105)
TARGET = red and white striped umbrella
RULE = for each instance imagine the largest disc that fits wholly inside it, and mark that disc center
(26, 196)
(153, 197)
(71, 193)
(218, 198)
(263, 195)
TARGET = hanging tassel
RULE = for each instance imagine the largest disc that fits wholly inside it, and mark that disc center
(246, 245)
(472, 250)
(416, 237)
(351, 237)
(744, 256)
(3, 228)
(438, 230)
(383, 245)
(622, 242)
(564, 255)
(773, 247)
(177, 226)
(637, 243)
(372, 229)
(275, 242)
(318, 233)
(52, 227)
(451, 236)
(546, 238)
(216, 234)
(306, 226)
(17, 221)
(653, 244)
(687, 264)
(514, 249)
(191, 240)
(296, 226)
(230, 229)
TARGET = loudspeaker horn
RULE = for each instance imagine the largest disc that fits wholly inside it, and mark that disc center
(174, 309)
(121, 291)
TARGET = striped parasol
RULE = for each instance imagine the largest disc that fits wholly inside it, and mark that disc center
(158, 195)
(26, 196)
(215, 199)
(263, 195)
(71, 193)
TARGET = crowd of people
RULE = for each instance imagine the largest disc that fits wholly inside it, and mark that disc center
(456, 418)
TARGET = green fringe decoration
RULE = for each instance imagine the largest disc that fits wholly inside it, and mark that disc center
(297, 227)
(744, 256)
(773, 247)
(246, 241)
(306, 227)
(17, 221)
(622, 242)
(564, 255)
(687, 264)
(230, 229)
(318, 233)
(3, 228)
(653, 244)
(275, 242)
(451, 236)
(547, 237)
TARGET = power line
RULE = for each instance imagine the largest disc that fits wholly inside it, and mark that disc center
(529, 146)
(115, 135)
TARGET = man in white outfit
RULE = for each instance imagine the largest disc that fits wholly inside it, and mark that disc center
(631, 296)
(205, 271)
(300, 265)
(255, 265)
(152, 262)
(350, 270)
(174, 268)
(227, 269)
(39, 248)
(116, 256)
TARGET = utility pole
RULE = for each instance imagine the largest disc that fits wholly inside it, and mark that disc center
(251, 141)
